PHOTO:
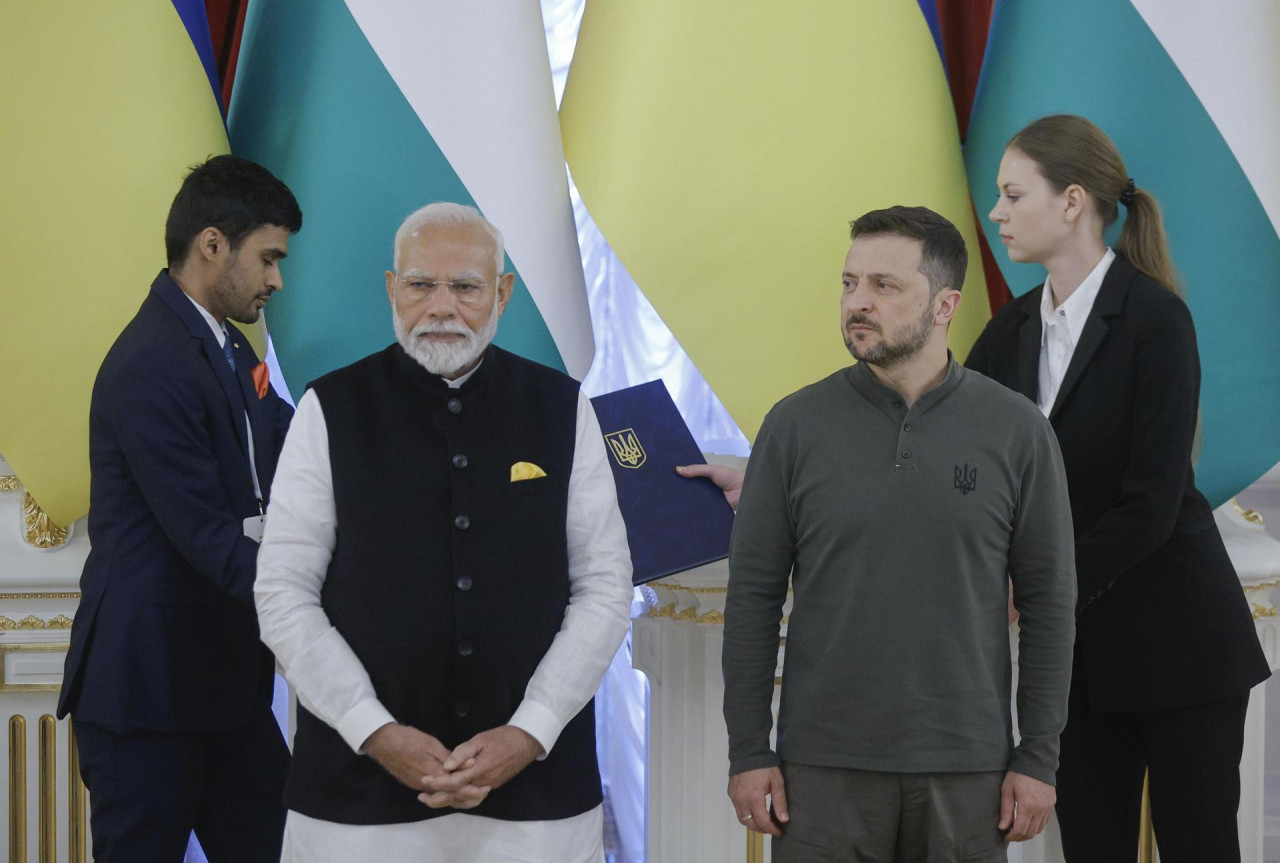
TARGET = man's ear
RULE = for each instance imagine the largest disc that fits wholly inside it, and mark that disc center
(948, 301)
(506, 284)
(210, 245)
(391, 288)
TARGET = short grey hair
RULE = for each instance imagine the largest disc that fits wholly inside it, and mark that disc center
(446, 214)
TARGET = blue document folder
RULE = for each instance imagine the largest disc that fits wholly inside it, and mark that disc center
(673, 523)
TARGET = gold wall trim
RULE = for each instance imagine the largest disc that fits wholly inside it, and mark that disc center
(755, 847)
(674, 586)
(48, 842)
(1250, 515)
(9, 482)
(1146, 831)
(58, 621)
(77, 846)
(714, 615)
(71, 594)
(17, 787)
(6, 686)
(690, 613)
(668, 610)
(1261, 611)
(40, 531)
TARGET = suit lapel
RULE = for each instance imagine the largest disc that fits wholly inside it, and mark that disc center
(181, 305)
(1108, 304)
(245, 361)
(1029, 337)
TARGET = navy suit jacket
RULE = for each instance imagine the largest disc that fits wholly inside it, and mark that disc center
(1162, 620)
(166, 637)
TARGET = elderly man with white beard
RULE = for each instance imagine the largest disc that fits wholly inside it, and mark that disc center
(444, 579)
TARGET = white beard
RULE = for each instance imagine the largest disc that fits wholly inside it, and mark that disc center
(445, 358)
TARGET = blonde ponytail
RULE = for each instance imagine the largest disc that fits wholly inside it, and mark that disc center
(1069, 150)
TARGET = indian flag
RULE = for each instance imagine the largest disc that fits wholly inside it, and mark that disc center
(368, 110)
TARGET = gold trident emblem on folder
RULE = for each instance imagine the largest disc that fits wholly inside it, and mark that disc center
(626, 448)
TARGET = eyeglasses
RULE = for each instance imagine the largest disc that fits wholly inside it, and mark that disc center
(468, 291)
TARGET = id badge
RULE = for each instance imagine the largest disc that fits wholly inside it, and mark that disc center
(253, 526)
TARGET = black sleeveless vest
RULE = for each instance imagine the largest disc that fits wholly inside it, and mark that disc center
(449, 581)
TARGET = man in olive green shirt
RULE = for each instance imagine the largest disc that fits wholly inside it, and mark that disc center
(898, 497)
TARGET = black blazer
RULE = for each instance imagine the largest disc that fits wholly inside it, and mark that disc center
(1162, 620)
(166, 637)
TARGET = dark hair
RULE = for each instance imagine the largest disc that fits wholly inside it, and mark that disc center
(232, 194)
(1069, 150)
(944, 258)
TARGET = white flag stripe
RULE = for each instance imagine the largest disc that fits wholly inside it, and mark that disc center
(1230, 55)
(478, 77)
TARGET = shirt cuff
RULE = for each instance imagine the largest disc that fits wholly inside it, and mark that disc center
(539, 723)
(361, 721)
(1020, 763)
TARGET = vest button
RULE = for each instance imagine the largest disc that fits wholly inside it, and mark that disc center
(459, 461)
(461, 709)
(906, 426)
(461, 522)
(464, 583)
(906, 454)
(466, 648)
(454, 406)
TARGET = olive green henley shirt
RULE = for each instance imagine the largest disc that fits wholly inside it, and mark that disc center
(897, 529)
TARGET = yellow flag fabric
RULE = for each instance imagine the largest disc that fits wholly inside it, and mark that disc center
(723, 148)
(104, 107)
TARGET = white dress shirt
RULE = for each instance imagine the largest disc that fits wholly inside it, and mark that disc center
(1061, 328)
(220, 333)
(331, 682)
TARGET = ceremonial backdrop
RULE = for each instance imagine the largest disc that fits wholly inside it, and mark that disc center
(104, 108)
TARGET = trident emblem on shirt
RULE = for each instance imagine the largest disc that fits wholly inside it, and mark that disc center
(966, 479)
(626, 448)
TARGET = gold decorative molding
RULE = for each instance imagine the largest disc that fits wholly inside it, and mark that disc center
(48, 814)
(713, 615)
(6, 686)
(17, 787)
(673, 586)
(668, 610)
(689, 613)
(40, 531)
(9, 482)
(1250, 515)
(58, 621)
(77, 832)
(1147, 849)
(1263, 607)
(73, 594)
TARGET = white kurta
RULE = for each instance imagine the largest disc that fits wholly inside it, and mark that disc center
(331, 682)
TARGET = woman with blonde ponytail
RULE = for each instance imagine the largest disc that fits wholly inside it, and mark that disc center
(1166, 651)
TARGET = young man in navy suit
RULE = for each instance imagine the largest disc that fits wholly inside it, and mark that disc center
(166, 679)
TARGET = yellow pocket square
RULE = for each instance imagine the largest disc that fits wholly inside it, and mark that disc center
(526, 470)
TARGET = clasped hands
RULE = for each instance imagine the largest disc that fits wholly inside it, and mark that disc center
(460, 779)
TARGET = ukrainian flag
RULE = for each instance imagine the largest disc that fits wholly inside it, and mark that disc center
(1190, 93)
(104, 107)
(723, 147)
